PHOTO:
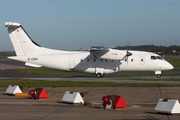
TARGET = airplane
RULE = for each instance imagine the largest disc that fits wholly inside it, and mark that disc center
(98, 60)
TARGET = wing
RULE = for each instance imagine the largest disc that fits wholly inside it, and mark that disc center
(107, 53)
(98, 51)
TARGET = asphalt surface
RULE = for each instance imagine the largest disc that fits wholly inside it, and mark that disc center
(140, 101)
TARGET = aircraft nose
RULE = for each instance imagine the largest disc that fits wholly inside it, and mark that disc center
(169, 66)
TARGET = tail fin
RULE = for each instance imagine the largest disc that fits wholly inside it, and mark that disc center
(22, 43)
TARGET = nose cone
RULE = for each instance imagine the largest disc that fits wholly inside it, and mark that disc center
(169, 66)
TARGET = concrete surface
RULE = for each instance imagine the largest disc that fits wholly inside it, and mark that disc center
(141, 102)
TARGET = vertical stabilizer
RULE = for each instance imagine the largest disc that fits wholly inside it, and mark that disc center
(22, 43)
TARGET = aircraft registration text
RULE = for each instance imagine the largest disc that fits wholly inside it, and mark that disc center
(32, 59)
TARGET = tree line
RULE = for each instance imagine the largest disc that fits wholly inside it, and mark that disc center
(170, 50)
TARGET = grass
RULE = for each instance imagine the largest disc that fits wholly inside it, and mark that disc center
(47, 83)
(173, 60)
(3, 57)
(49, 72)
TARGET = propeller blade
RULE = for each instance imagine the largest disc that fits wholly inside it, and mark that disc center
(128, 54)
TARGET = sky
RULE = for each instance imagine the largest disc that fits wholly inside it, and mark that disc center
(75, 24)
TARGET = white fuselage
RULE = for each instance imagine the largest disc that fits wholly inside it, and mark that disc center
(85, 62)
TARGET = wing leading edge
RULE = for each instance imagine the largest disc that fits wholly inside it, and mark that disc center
(107, 53)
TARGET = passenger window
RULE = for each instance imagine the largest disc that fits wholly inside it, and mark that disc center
(88, 60)
(94, 60)
(142, 60)
(101, 60)
(131, 60)
(106, 60)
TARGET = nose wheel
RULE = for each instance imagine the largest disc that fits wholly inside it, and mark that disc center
(159, 75)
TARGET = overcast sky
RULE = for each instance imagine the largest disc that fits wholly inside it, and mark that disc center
(75, 24)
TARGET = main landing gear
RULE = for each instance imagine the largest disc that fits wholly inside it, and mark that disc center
(99, 75)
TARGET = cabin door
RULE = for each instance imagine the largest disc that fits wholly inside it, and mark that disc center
(71, 63)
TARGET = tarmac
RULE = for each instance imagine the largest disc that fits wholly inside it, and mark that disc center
(141, 102)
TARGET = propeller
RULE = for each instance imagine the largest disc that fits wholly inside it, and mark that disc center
(127, 54)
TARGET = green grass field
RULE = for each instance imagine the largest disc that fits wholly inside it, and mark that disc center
(3, 57)
(47, 83)
(43, 71)
(175, 61)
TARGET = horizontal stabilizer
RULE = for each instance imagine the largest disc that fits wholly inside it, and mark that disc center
(18, 58)
(11, 24)
(32, 65)
(24, 59)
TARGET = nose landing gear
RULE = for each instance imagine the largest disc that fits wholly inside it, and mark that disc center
(158, 73)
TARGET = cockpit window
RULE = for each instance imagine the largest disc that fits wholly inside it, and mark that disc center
(153, 58)
(156, 57)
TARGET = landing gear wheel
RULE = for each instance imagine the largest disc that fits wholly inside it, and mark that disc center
(98, 75)
(159, 75)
